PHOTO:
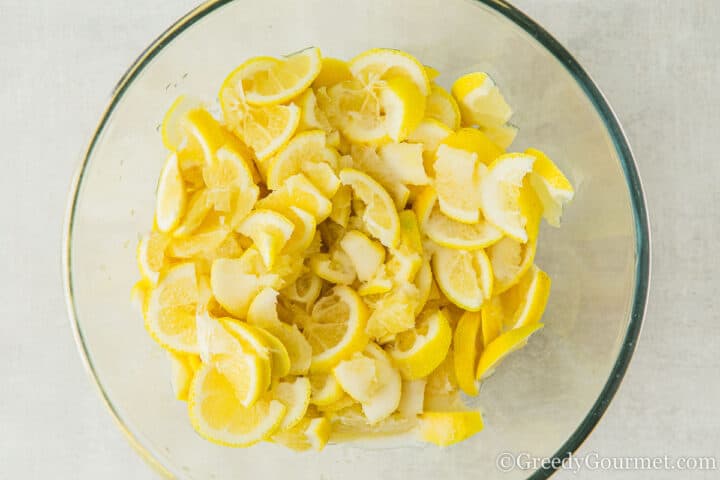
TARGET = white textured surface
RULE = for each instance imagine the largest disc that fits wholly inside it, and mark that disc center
(655, 60)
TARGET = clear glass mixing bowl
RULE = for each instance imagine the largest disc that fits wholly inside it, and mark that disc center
(543, 401)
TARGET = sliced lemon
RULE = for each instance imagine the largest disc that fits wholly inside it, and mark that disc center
(393, 312)
(481, 102)
(419, 351)
(337, 328)
(171, 197)
(230, 184)
(503, 136)
(465, 351)
(355, 110)
(302, 155)
(502, 346)
(385, 397)
(170, 316)
(552, 187)
(365, 254)
(335, 267)
(325, 389)
(432, 73)
(385, 63)
(305, 290)
(403, 162)
(493, 316)
(269, 230)
(216, 406)
(357, 376)
(404, 106)
(412, 398)
(333, 71)
(457, 184)
(423, 282)
(172, 128)
(251, 342)
(264, 129)
(311, 116)
(182, 372)
(500, 194)
(380, 215)
(474, 141)
(295, 395)
(197, 209)
(341, 206)
(151, 255)
(429, 133)
(299, 192)
(236, 282)
(443, 107)
(464, 277)
(367, 159)
(510, 260)
(205, 240)
(450, 233)
(525, 302)
(350, 424)
(309, 433)
(280, 357)
(447, 428)
(268, 81)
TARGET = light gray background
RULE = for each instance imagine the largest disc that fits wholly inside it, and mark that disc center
(657, 62)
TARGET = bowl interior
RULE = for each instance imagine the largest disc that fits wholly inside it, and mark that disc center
(533, 403)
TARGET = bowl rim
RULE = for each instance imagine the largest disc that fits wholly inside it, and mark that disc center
(593, 93)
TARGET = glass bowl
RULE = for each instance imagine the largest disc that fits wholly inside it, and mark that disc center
(542, 402)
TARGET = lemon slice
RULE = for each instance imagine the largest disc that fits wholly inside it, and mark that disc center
(295, 395)
(311, 115)
(230, 185)
(269, 230)
(264, 129)
(357, 376)
(412, 397)
(236, 282)
(280, 357)
(350, 424)
(419, 351)
(267, 81)
(171, 197)
(502, 346)
(525, 302)
(309, 433)
(432, 73)
(474, 141)
(451, 233)
(380, 215)
(443, 107)
(385, 397)
(172, 128)
(263, 314)
(355, 110)
(170, 316)
(299, 192)
(503, 136)
(457, 184)
(182, 371)
(447, 428)
(205, 240)
(337, 328)
(394, 312)
(263, 344)
(423, 282)
(404, 106)
(464, 277)
(335, 267)
(493, 320)
(365, 254)
(510, 260)
(302, 155)
(333, 71)
(481, 102)
(500, 194)
(216, 406)
(197, 209)
(465, 351)
(251, 343)
(305, 290)
(325, 389)
(151, 255)
(552, 187)
(341, 206)
(385, 63)
(429, 133)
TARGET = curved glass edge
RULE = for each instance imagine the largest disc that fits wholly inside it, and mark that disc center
(642, 230)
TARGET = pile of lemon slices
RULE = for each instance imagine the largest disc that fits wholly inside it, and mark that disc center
(347, 252)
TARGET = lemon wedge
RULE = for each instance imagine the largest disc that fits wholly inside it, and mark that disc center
(419, 351)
